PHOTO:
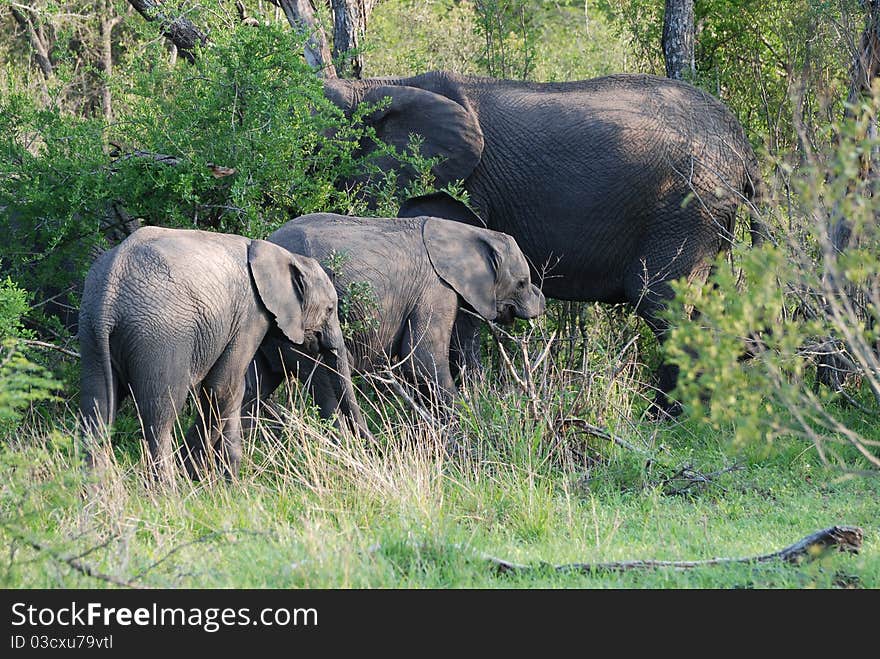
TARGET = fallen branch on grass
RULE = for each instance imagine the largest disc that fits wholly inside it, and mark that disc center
(596, 431)
(841, 538)
(692, 478)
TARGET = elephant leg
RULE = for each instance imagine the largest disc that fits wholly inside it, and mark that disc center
(218, 423)
(648, 289)
(159, 409)
(649, 296)
(313, 374)
(202, 436)
(425, 346)
(261, 381)
(464, 347)
(319, 379)
(230, 441)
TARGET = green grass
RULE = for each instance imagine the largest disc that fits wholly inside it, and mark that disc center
(311, 512)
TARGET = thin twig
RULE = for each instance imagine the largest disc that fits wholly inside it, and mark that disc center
(51, 346)
(692, 478)
(398, 388)
(203, 538)
(601, 433)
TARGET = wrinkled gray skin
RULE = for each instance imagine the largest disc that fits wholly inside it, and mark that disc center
(615, 185)
(420, 272)
(172, 311)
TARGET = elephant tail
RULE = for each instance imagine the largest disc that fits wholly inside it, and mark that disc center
(98, 387)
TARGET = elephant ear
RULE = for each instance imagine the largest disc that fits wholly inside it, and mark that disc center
(449, 129)
(467, 259)
(279, 282)
(440, 204)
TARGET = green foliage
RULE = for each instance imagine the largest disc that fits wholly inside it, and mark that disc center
(239, 142)
(13, 305)
(508, 31)
(357, 300)
(21, 381)
(255, 139)
(361, 297)
(439, 35)
(53, 184)
(524, 39)
(816, 311)
(774, 64)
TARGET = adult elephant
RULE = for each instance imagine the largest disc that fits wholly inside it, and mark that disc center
(612, 187)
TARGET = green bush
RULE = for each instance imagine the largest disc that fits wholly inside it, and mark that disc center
(21, 381)
(239, 142)
(814, 306)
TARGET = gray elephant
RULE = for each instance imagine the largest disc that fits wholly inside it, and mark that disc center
(170, 311)
(615, 185)
(401, 284)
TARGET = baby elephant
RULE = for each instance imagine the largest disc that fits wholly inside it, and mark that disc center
(169, 311)
(401, 282)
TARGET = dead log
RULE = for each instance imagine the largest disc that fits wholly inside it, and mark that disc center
(841, 538)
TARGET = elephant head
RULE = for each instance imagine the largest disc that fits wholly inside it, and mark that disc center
(495, 281)
(302, 299)
(297, 292)
(440, 116)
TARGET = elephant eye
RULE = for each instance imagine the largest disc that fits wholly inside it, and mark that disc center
(521, 283)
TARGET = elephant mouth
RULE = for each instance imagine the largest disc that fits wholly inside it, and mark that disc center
(506, 315)
(312, 344)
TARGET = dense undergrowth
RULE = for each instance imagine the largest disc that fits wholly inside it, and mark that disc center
(549, 458)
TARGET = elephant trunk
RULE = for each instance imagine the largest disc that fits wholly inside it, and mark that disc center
(535, 304)
(347, 94)
(336, 358)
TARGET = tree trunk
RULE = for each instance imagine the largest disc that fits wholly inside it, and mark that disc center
(349, 27)
(107, 21)
(37, 40)
(864, 69)
(301, 17)
(678, 39)
(180, 30)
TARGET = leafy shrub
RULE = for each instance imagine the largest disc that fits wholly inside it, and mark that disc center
(813, 303)
(21, 381)
(240, 141)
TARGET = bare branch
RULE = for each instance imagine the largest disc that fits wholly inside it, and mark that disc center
(74, 561)
(601, 433)
(41, 50)
(301, 16)
(179, 29)
(50, 346)
(394, 383)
